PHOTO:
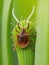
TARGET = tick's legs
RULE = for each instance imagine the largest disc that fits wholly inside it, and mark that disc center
(32, 47)
(16, 30)
(30, 31)
(27, 26)
(14, 47)
(33, 42)
(19, 26)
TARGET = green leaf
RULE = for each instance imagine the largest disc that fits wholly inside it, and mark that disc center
(1, 6)
(4, 23)
(42, 44)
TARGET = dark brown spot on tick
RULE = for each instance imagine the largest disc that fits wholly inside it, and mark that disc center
(23, 38)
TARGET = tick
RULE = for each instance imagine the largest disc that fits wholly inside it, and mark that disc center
(23, 36)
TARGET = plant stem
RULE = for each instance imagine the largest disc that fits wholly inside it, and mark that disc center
(5, 13)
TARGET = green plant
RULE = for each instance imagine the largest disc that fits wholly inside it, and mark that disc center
(42, 42)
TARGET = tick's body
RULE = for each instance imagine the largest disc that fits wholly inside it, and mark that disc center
(23, 39)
